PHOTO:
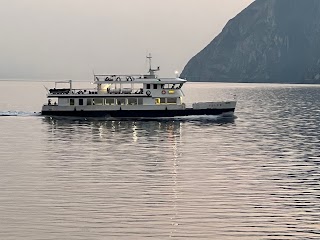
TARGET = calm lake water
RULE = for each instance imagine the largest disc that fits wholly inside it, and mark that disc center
(252, 177)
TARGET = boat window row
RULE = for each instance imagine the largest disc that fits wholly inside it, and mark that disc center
(118, 101)
(165, 100)
(164, 86)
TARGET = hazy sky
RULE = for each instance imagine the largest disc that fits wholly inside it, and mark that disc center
(67, 39)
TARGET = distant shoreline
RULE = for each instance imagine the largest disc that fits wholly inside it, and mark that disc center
(189, 81)
(270, 82)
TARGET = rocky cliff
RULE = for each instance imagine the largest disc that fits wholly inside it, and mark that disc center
(269, 41)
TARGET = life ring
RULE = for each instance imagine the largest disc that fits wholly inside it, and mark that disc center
(148, 93)
(163, 92)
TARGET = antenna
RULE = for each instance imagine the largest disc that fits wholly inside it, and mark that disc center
(150, 59)
(151, 71)
(94, 75)
(46, 88)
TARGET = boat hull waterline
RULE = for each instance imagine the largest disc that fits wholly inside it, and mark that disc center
(140, 113)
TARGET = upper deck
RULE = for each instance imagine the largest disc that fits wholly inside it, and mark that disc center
(116, 85)
(111, 78)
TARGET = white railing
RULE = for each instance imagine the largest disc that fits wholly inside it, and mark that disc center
(66, 91)
(121, 78)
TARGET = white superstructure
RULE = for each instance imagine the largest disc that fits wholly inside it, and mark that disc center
(131, 94)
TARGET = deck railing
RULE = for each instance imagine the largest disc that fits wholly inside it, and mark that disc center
(121, 78)
(66, 91)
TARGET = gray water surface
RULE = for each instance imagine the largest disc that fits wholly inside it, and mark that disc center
(255, 176)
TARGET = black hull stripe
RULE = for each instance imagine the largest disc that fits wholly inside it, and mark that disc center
(138, 113)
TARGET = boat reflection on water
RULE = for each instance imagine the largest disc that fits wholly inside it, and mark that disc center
(123, 130)
(132, 167)
(110, 130)
(162, 122)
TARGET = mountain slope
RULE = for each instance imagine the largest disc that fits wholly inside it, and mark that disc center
(269, 41)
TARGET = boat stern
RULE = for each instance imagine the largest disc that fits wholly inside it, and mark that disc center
(215, 105)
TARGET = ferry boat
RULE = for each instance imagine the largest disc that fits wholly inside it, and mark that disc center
(129, 96)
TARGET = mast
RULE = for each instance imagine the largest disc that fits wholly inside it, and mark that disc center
(152, 71)
(150, 60)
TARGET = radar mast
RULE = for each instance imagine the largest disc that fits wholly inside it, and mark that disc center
(152, 71)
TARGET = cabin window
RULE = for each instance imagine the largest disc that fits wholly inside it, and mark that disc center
(157, 101)
(170, 86)
(89, 101)
(132, 101)
(155, 86)
(140, 101)
(80, 101)
(98, 101)
(121, 101)
(148, 86)
(71, 101)
(171, 100)
(63, 101)
(162, 100)
(162, 86)
(109, 101)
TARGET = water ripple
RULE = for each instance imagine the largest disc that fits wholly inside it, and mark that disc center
(251, 177)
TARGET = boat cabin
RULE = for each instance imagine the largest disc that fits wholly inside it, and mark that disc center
(127, 96)
(120, 90)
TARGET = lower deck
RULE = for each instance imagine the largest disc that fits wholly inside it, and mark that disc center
(139, 114)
